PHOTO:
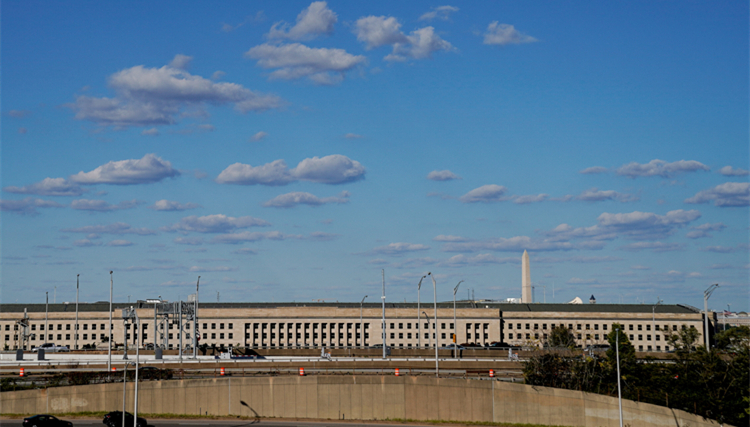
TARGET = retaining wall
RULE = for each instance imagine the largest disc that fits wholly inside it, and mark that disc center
(355, 397)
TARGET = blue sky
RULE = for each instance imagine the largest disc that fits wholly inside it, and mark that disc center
(289, 151)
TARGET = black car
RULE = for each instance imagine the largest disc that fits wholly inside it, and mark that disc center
(114, 419)
(45, 421)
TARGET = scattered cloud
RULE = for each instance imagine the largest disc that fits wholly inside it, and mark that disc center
(181, 62)
(196, 269)
(215, 224)
(440, 12)
(146, 170)
(333, 169)
(169, 205)
(114, 228)
(150, 132)
(634, 225)
(376, 31)
(505, 34)
(726, 249)
(192, 241)
(49, 187)
(83, 243)
(444, 238)
(217, 75)
(245, 251)
(377, 261)
(512, 244)
(596, 195)
(660, 168)
(247, 236)
(158, 96)
(290, 200)
(353, 136)
(593, 170)
(532, 198)
(485, 194)
(577, 259)
(317, 19)
(19, 114)
(27, 206)
(729, 194)
(120, 243)
(730, 171)
(443, 175)
(398, 249)
(22, 130)
(653, 246)
(702, 230)
(258, 136)
(323, 66)
(462, 260)
(102, 206)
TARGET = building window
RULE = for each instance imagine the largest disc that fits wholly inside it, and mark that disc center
(518, 336)
(67, 336)
(510, 326)
(393, 336)
(528, 326)
(59, 326)
(596, 336)
(528, 336)
(640, 337)
(221, 336)
(640, 327)
(579, 336)
(596, 327)
(536, 326)
(631, 337)
(393, 326)
(213, 336)
(442, 326)
(648, 337)
(604, 326)
(401, 326)
(630, 327)
(221, 326)
(578, 327)
(400, 335)
(648, 327)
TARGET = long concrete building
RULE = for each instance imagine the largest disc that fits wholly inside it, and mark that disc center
(315, 325)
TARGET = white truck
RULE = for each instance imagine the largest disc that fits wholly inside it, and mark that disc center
(50, 347)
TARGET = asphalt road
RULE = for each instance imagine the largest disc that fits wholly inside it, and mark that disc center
(227, 423)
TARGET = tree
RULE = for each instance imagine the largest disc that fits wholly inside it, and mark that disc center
(626, 349)
(683, 340)
(562, 337)
(733, 338)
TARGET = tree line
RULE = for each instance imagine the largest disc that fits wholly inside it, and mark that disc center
(714, 384)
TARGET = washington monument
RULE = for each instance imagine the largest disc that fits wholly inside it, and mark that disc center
(526, 295)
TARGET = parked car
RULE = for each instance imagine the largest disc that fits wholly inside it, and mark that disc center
(114, 419)
(45, 421)
(451, 346)
(50, 347)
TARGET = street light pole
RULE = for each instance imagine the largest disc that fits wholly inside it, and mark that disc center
(419, 328)
(361, 330)
(429, 340)
(617, 353)
(434, 293)
(46, 316)
(137, 354)
(455, 338)
(706, 295)
(109, 333)
(383, 299)
(75, 345)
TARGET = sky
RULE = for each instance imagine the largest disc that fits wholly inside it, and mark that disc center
(293, 150)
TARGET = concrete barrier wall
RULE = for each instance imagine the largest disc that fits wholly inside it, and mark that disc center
(355, 397)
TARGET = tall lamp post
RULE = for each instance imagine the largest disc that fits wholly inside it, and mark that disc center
(706, 295)
(75, 345)
(419, 328)
(46, 316)
(617, 353)
(383, 299)
(109, 332)
(434, 293)
(361, 331)
(455, 337)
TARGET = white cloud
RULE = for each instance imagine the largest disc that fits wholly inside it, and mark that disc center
(274, 173)
(317, 19)
(485, 194)
(729, 194)
(333, 169)
(245, 251)
(146, 170)
(27, 206)
(443, 175)
(156, 96)
(532, 198)
(114, 228)
(290, 200)
(726, 249)
(420, 44)
(83, 243)
(654, 246)
(217, 75)
(593, 170)
(48, 187)
(181, 62)
(323, 66)
(196, 269)
(169, 205)
(504, 34)
(660, 168)
(512, 244)
(352, 136)
(440, 12)
(444, 238)
(730, 171)
(101, 205)
(480, 259)
(400, 248)
(702, 230)
(376, 31)
(258, 136)
(150, 132)
(192, 241)
(634, 225)
(247, 236)
(215, 223)
(596, 195)
(120, 243)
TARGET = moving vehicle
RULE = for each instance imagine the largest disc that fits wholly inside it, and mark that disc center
(50, 347)
(114, 419)
(45, 421)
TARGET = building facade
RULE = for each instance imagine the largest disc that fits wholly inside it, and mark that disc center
(316, 325)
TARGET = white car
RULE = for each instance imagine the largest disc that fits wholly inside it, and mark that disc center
(51, 348)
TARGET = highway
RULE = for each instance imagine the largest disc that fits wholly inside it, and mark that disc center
(225, 423)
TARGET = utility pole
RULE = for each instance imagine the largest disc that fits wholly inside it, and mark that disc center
(706, 295)
(617, 352)
(109, 332)
(383, 299)
(434, 290)
(75, 337)
(46, 316)
(361, 329)
(455, 339)
(419, 327)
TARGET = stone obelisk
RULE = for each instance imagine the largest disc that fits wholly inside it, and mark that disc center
(526, 295)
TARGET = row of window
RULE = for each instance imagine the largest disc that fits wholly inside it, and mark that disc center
(68, 326)
(50, 337)
(588, 326)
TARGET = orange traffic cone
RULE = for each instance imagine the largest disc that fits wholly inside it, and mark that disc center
(222, 371)
(21, 373)
(301, 372)
(492, 373)
(397, 372)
